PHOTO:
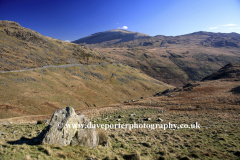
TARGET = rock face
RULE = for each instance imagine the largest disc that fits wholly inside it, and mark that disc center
(68, 128)
(229, 72)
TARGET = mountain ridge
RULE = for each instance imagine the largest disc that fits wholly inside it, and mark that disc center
(24, 48)
(207, 39)
(175, 59)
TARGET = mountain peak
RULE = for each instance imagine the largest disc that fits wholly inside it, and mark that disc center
(111, 37)
(9, 23)
(117, 30)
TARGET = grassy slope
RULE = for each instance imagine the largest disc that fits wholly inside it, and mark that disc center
(176, 60)
(213, 105)
(44, 91)
(175, 64)
(24, 48)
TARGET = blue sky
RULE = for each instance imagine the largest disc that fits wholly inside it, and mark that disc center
(74, 19)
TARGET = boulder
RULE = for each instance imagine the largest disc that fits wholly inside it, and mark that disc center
(68, 128)
(120, 116)
(131, 115)
(147, 119)
(131, 118)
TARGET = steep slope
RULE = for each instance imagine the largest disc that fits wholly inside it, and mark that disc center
(176, 60)
(111, 37)
(175, 65)
(43, 91)
(24, 48)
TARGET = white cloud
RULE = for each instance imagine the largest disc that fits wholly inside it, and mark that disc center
(213, 28)
(123, 27)
(226, 25)
(67, 41)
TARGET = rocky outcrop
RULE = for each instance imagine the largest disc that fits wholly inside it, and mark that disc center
(68, 128)
(168, 92)
(229, 72)
(222, 41)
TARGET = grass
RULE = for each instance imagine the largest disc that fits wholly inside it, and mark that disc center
(24, 48)
(169, 64)
(216, 139)
(209, 104)
(44, 91)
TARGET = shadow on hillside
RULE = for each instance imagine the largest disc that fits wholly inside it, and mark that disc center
(236, 90)
(24, 140)
(30, 141)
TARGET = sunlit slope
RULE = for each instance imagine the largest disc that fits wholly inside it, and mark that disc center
(44, 91)
(24, 48)
(172, 59)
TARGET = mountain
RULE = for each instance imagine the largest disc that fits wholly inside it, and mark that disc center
(35, 80)
(111, 37)
(176, 59)
(123, 38)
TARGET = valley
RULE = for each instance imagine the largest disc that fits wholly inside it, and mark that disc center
(120, 77)
(173, 60)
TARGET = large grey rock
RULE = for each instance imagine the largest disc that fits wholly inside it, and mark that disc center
(68, 128)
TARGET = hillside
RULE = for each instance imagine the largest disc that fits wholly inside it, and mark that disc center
(176, 60)
(197, 121)
(40, 74)
(43, 91)
(111, 37)
(230, 72)
(24, 48)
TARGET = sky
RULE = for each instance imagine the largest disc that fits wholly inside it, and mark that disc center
(70, 20)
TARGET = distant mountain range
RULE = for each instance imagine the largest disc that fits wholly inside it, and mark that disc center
(117, 37)
(172, 59)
